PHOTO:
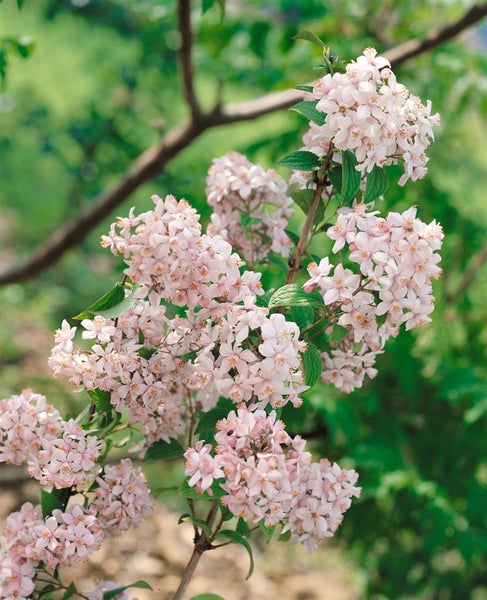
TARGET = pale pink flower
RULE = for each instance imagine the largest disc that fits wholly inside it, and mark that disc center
(122, 498)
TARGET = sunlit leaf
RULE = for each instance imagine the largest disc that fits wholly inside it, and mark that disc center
(293, 294)
(302, 160)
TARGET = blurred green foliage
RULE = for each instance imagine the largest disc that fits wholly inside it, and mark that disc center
(102, 85)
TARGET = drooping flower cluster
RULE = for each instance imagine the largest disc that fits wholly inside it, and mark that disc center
(251, 207)
(268, 476)
(61, 455)
(369, 113)
(25, 420)
(225, 345)
(122, 498)
(63, 538)
(68, 461)
(397, 259)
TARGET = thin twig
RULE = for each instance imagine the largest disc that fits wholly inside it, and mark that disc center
(154, 160)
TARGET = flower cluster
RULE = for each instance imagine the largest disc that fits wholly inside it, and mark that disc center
(122, 498)
(268, 477)
(61, 455)
(225, 345)
(25, 420)
(251, 207)
(397, 259)
(67, 461)
(63, 538)
(369, 113)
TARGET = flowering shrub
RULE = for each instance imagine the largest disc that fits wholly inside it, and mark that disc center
(194, 359)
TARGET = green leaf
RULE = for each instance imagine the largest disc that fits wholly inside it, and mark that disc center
(302, 160)
(338, 334)
(304, 88)
(201, 523)
(335, 177)
(163, 451)
(207, 4)
(304, 199)
(267, 530)
(293, 237)
(190, 492)
(50, 501)
(242, 527)
(293, 294)
(377, 184)
(207, 597)
(350, 177)
(237, 538)
(146, 353)
(303, 316)
(115, 296)
(20, 3)
(246, 220)
(207, 424)
(312, 364)
(310, 37)
(25, 45)
(101, 399)
(70, 592)
(138, 584)
(308, 110)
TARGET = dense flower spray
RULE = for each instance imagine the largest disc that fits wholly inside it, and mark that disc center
(192, 358)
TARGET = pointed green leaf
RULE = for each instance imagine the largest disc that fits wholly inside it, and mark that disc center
(337, 334)
(163, 451)
(304, 88)
(207, 597)
(377, 184)
(107, 301)
(302, 160)
(267, 530)
(293, 294)
(70, 592)
(101, 399)
(312, 364)
(303, 316)
(50, 501)
(190, 492)
(293, 237)
(138, 584)
(242, 527)
(237, 538)
(201, 523)
(308, 110)
(335, 177)
(350, 177)
(207, 423)
(310, 37)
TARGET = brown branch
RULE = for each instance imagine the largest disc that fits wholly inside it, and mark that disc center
(154, 160)
(412, 48)
(185, 57)
(477, 261)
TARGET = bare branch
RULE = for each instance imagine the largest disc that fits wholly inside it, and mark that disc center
(412, 48)
(477, 261)
(186, 57)
(154, 160)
